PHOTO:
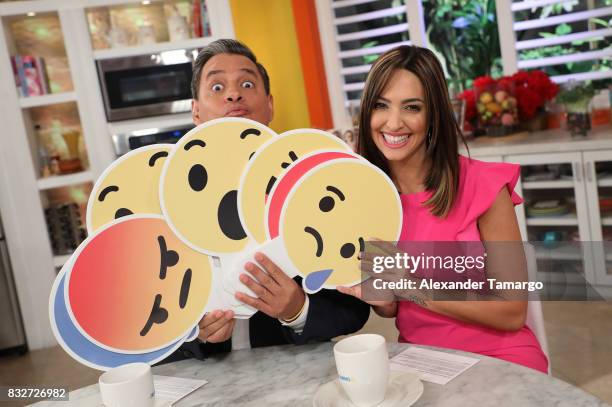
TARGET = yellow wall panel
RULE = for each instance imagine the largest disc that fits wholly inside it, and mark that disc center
(267, 27)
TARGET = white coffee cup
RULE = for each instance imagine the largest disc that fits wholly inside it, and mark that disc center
(362, 362)
(128, 385)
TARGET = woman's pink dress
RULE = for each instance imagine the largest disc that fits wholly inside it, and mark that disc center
(479, 184)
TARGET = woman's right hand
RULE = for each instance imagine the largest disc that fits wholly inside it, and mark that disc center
(384, 308)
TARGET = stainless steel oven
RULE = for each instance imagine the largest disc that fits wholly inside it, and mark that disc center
(126, 142)
(146, 85)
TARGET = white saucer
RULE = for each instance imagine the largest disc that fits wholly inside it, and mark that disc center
(404, 388)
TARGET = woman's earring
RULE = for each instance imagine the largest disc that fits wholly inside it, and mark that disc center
(429, 136)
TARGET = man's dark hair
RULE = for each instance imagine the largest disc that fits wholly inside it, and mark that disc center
(224, 46)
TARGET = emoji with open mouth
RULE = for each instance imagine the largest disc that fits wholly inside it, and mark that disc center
(200, 179)
(324, 208)
(129, 185)
(134, 287)
(267, 165)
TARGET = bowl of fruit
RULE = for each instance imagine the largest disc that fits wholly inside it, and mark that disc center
(497, 112)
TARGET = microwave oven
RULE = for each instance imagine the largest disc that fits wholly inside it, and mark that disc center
(125, 142)
(146, 85)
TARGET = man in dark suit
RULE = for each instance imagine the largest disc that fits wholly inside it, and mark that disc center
(229, 82)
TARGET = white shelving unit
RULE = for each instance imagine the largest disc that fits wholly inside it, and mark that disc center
(566, 220)
(600, 221)
(152, 48)
(562, 251)
(557, 184)
(588, 168)
(60, 181)
(46, 100)
(33, 261)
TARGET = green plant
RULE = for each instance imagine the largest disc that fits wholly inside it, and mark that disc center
(369, 59)
(576, 96)
(465, 34)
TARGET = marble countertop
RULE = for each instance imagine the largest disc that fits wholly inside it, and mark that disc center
(548, 141)
(290, 375)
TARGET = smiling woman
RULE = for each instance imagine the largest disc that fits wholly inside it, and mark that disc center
(407, 117)
(399, 124)
(408, 130)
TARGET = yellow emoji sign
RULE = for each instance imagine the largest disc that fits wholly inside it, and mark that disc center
(331, 210)
(199, 183)
(266, 167)
(129, 185)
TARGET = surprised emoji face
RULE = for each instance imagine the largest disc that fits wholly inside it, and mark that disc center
(199, 186)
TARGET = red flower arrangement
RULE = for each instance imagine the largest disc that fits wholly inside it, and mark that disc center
(532, 90)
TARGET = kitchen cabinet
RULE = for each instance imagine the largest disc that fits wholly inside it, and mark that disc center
(43, 206)
(567, 187)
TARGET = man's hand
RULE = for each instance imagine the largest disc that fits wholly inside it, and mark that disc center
(217, 326)
(278, 296)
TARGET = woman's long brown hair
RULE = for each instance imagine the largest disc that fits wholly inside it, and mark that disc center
(442, 149)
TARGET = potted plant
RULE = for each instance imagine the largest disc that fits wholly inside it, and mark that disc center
(576, 98)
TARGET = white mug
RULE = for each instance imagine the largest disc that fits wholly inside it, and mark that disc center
(128, 385)
(363, 368)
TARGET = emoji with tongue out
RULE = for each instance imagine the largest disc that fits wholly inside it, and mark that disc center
(134, 287)
(267, 165)
(324, 208)
(199, 183)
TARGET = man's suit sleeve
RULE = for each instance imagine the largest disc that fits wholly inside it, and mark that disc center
(197, 350)
(331, 314)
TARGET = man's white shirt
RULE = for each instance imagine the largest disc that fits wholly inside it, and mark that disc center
(241, 335)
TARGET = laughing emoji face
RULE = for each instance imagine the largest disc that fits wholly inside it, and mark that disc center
(134, 287)
(332, 206)
(199, 186)
(266, 167)
(129, 185)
